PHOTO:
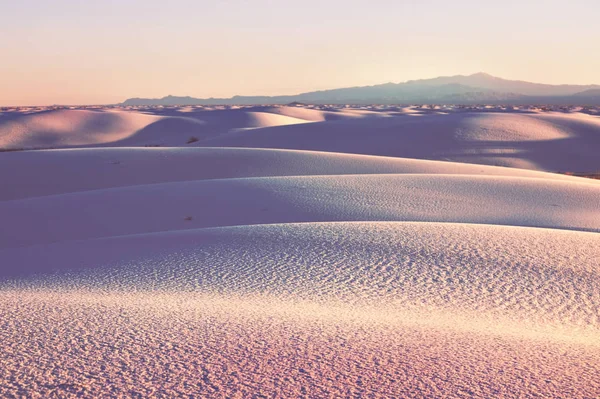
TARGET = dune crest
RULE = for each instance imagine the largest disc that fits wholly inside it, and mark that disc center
(38, 173)
(522, 137)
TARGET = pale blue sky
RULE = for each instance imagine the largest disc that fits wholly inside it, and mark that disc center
(77, 52)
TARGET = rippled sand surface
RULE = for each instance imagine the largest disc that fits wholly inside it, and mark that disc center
(115, 345)
(272, 273)
(314, 309)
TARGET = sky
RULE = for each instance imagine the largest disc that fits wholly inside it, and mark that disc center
(102, 52)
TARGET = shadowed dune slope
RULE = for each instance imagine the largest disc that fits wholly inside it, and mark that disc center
(540, 141)
(45, 172)
(549, 141)
(64, 128)
(209, 203)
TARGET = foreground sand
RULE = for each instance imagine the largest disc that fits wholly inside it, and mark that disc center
(124, 347)
(308, 310)
(248, 272)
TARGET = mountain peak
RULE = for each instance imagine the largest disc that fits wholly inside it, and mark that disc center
(478, 88)
(482, 75)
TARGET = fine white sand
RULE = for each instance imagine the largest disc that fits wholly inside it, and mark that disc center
(216, 271)
(310, 310)
(542, 141)
(37, 173)
(525, 138)
(75, 128)
(228, 202)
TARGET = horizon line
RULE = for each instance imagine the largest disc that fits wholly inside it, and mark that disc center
(298, 93)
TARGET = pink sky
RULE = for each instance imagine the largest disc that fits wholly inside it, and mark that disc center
(74, 52)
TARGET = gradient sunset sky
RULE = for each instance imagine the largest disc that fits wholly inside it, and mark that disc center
(100, 52)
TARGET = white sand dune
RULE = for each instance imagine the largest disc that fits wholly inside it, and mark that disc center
(127, 346)
(73, 128)
(222, 271)
(540, 141)
(549, 141)
(228, 202)
(463, 268)
(67, 128)
(315, 309)
(37, 173)
(314, 114)
(267, 119)
(79, 128)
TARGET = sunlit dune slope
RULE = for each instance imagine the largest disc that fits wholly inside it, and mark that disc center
(321, 309)
(67, 128)
(544, 276)
(35, 173)
(209, 203)
(80, 128)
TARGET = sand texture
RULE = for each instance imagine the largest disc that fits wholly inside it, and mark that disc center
(299, 252)
(527, 138)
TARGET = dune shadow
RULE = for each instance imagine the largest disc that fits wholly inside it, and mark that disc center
(434, 138)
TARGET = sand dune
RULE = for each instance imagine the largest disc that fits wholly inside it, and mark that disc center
(476, 270)
(228, 202)
(78, 128)
(123, 346)
(549, 141)
(36, 173)
(310, 309)
(268, 119)
(558, 142)
(206, 269)
(314, 114)
(67, 128)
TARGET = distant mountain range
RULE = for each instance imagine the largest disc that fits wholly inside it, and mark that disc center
(479, 88)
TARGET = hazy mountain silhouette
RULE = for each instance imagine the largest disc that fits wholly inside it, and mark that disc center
(460, 89)
(589, 93)
(489, 82)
